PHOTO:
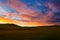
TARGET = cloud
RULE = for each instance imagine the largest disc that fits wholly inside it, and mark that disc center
(22, 14)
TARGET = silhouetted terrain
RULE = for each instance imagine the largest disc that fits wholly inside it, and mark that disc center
(14, 32)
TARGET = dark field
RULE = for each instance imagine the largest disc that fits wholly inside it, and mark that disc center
(14, 32)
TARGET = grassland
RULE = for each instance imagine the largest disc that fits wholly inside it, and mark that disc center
(14, 32)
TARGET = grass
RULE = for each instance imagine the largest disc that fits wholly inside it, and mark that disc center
(14, 32)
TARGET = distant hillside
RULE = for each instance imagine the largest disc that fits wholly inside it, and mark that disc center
(13, 26)
(9, 25)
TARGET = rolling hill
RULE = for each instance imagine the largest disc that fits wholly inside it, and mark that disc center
(14, 32)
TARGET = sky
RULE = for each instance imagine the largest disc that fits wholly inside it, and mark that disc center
(30, 12)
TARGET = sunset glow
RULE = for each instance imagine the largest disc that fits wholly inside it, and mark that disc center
(30, 12)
